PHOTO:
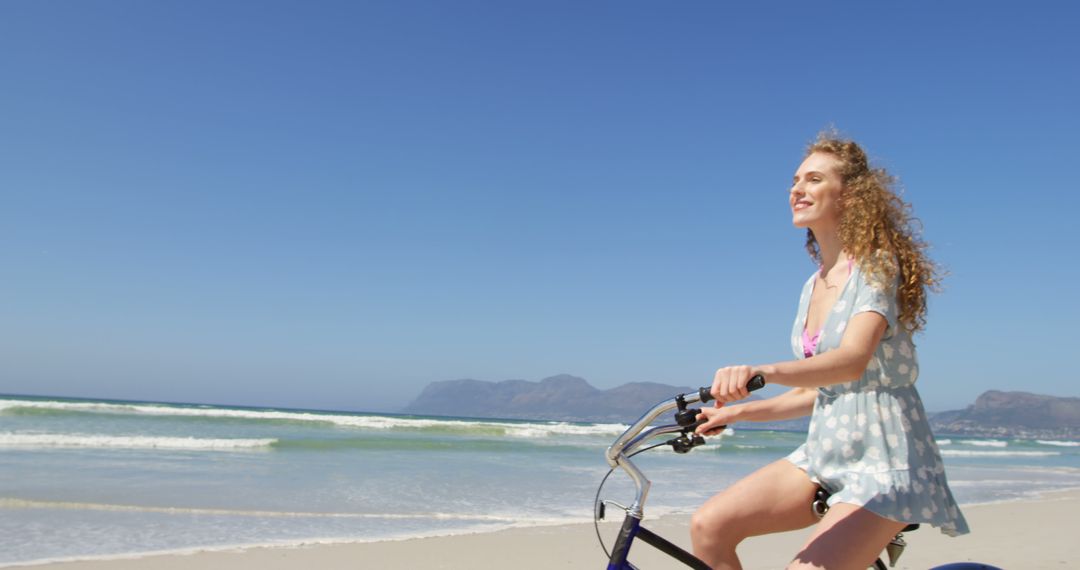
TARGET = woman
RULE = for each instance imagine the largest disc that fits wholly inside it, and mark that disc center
(869, 442)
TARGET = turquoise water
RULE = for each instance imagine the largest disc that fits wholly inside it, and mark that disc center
(85, 478)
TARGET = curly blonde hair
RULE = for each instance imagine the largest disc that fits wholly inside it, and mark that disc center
(878, 229)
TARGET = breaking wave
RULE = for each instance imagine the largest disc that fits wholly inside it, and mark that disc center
(1058, 443)
(524, 429)
(987, 453)
(985, 442)
(46, 440)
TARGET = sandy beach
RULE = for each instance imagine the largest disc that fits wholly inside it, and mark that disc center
(1031, 534)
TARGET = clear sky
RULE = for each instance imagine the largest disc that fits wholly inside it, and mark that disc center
(331, 204)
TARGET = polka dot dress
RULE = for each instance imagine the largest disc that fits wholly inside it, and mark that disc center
(869, 442)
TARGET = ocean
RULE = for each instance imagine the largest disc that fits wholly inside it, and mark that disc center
(100, 479)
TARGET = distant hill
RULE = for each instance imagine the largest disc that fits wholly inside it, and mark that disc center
(561, 397)
(569, 398)
(1013, 414)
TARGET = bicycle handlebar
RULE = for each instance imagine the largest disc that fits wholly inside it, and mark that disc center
(756, 382)
(633, 438)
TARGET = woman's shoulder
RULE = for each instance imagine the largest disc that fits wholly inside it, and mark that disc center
(878, 270)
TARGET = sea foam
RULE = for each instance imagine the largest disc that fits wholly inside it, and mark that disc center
(1058, 443)
(371, 422)
(46, 440)
(980, 453)
(985, 442)
(15, 503)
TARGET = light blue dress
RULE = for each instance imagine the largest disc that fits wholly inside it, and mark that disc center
(869, 442)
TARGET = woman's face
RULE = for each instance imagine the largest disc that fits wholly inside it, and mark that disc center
(815, 193)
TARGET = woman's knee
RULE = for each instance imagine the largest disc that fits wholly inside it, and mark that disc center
(700, 523)
(713, 520)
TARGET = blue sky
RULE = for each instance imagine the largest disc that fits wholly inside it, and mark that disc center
(331, 204)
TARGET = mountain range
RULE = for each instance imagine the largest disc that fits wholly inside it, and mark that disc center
(1013, 414)
(562, 397)
(570, 398)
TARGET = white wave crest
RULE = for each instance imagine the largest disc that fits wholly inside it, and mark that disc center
(548, 430)
(46, 440)
(985, 442)
(374, 422)
(980, 453)
(990, 483)
(1058, 443)
(944, 442)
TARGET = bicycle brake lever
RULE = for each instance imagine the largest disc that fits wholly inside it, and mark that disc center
(688, 417)
(685, 442)
(698, 423)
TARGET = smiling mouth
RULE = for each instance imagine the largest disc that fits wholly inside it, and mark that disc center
(801, 205)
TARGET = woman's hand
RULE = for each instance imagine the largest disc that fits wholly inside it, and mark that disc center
(715, 420)
(729, 384)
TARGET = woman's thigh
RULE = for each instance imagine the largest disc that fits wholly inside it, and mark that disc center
(775, 498)
(848, 537)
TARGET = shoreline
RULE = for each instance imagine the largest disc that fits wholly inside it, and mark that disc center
(285, 545)
(1014, 533)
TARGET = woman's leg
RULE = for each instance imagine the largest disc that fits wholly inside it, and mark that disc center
(848, 537)
(775, 498)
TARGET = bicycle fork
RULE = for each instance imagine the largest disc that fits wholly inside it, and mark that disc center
(632, 530)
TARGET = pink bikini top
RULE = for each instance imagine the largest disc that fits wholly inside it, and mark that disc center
(809, 343)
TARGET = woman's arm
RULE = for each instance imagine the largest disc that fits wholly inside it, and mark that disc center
(794, 403)
(842, 364)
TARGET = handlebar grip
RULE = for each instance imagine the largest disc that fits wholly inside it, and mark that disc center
(757, 382)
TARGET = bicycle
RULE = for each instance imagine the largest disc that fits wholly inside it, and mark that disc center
(632, 442)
